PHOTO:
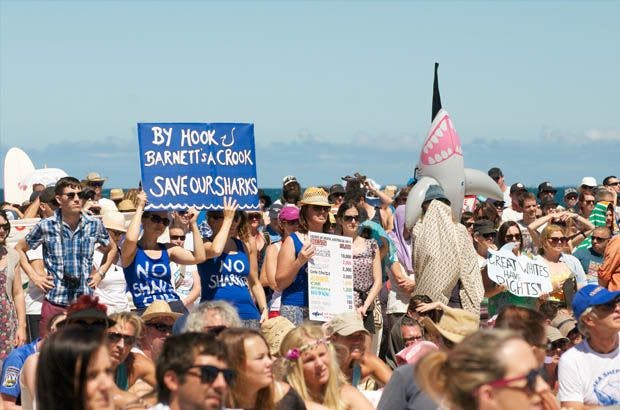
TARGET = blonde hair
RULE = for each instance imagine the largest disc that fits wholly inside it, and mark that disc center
(234, 341)
(298, 338)
(457, 374)
(546, 233)
(130, 318)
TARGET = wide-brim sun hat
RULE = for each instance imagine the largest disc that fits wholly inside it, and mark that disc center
(274, 330)
(116, 194)
(95, 177)
(157, 309)
(114, 220)
(454, 325)
(315, 196)
(126, 205)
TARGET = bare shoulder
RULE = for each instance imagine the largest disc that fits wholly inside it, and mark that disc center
(354, 399)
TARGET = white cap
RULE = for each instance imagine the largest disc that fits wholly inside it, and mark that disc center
(589, 181)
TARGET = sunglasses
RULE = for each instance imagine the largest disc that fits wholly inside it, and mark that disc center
(469, 225)
(499, 205)
(350, 218)
(115, 232)
(531, 377)
(319, 208)
(6, 226)
(89, 322)
(293, 222)
(511, 238)
(159, 220)
(116, 337)
(558, 240)
(160, 327)
(96, 183)
(255, 216)
(588, 202)
(208, 374)
(490, 235)
(599, 239)
(559, 344)
(413, 339)
(614, 183)
(177, 237)
(71, 195)
(609, 306)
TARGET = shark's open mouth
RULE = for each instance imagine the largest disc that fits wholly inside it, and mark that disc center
(442, 141)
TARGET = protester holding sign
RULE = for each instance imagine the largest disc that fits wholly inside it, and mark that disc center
(509, 239)
(562, 266)
(230, 272)
(146, 263)
(296, 250)
(366, 264)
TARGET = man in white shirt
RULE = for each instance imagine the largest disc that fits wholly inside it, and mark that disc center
(589, 373)
(514, 212)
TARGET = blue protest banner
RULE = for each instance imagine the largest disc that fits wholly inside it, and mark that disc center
(198, 164)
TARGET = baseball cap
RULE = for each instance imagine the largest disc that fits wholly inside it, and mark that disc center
(336, 189)
(569, 191)
(548, 202)
(345, 324)
(517, 187)
(274, 211)
(553, 334)
(591, 295)
(546, 187)
(288, 180)
(588, 181)
(289, 213)
(483, 227)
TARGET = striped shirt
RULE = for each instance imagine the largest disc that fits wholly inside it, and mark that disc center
(67, 254)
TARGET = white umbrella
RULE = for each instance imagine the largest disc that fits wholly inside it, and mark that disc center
(45, 176)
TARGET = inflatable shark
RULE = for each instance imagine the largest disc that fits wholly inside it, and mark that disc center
(441, 163)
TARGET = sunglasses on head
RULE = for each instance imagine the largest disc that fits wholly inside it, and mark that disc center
(514, 237)
(159, 220)
(558, 240)
(208, 374)
(160, 327)
(116, 337)
(350, 218)
(177, 237)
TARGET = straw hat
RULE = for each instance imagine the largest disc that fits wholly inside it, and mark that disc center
(274, 330)
(347, 323)
(159, 308)
(126, 205)
(454, 324)
(116, 193)
(114, 220)
(315, 196)
(94, 177)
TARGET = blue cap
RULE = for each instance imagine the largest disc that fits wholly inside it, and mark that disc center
(434, 192)
(591, 295)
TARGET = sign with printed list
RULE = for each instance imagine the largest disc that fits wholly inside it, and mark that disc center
(330, 276)
(198, 164)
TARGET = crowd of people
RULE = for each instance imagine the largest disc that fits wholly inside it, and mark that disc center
(110, 305)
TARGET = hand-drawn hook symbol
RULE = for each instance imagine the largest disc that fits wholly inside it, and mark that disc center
(232, 136)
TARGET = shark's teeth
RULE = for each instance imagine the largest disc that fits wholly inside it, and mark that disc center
(439, 133)
(434, 139)
(437, 157)
(458, 149)
(425, 149)
(431, 160)
(444, 154)
(429, 144)
(444, 125)
(449, 151)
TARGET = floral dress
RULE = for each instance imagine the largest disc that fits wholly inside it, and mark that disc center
(8, 324)
(362, 271)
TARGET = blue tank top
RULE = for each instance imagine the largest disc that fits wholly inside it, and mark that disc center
(226, 278)
(297, 292)
(150, 279)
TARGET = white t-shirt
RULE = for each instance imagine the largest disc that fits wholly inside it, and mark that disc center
(398, 301)
(589, 377)
(33, 296)
(112, 290)
(510, 214)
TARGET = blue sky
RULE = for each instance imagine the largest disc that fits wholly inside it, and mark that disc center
(332, 87)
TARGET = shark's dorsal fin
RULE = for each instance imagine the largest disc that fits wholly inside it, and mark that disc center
(436, 97)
